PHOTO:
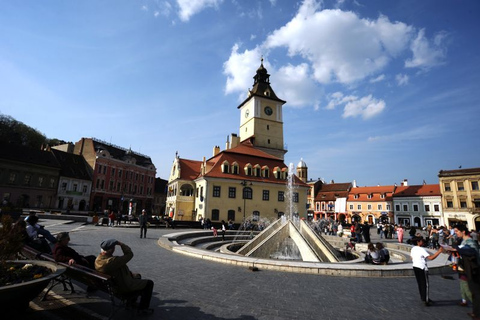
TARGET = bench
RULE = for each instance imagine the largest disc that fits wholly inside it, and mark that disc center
(89, 277)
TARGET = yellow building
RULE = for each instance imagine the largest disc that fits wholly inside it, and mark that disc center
(248, 179)
(461, 196)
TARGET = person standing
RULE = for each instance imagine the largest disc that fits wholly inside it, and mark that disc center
(468, 250)
(419, 258)
(143, 221)
(224, 228)
(400, 232)
(366, 232)
(111, 219)
(126, 282)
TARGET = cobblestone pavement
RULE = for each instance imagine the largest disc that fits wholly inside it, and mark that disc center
(189, 288)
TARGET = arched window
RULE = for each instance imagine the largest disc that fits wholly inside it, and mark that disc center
(257, 170)
(256, 216)
(231, 215)
(186, 190)
(265, 172)
(235, 168)
(225, 167)
(215, 214)
(277, 172)
(247, 193)
(248, 169)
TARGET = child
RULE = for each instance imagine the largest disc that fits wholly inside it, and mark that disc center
(214, 231)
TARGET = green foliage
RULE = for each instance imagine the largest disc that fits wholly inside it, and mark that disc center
(16, 132)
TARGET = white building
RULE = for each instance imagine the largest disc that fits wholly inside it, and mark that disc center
(418, 205)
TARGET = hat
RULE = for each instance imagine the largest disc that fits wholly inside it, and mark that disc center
(62, 235)
(108, 244)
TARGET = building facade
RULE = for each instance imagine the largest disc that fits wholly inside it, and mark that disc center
(330, 202)
(75, 183)
(159, 197)
(123, 180)
(418, 205)
(28, 177)
(461, 196)
(371, 204)
(248, 180)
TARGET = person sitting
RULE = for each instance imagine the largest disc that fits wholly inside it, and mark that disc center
(383, 253)
(126, 282)
(372, 255)
(32, 236)
(63, 253)
(34, 229)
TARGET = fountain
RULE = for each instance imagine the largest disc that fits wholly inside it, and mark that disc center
(290, 238)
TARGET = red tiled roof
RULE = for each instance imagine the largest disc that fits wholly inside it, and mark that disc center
(189, 169)
(331, 191)
(243, 154)
(420, 190)
(375, 192)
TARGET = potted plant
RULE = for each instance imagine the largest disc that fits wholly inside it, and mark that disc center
(20, 280)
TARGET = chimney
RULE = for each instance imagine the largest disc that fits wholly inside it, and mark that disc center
(404, 183)
(216, 150)
(234, 141)
(354, 184)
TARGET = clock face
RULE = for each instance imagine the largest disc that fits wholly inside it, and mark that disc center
(268, 111)
(247, 112)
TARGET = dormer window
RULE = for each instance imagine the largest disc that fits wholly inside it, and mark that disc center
(257, 170)
(248, 169)
(277, 173)
(235, 168)
(382, 196)
(265, 172)
(225, 167)
(355, 196)
(369, 196)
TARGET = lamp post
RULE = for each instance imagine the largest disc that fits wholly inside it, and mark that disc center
(244, 183)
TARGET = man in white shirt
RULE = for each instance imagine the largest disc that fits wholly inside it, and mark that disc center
(419, 258)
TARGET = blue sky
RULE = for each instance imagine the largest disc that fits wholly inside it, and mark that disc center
(376, 91)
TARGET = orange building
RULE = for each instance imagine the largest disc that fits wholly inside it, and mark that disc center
(371, 204)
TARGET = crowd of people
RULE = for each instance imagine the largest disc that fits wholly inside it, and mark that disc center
(127, 283)
(462, 247)
(457, 241)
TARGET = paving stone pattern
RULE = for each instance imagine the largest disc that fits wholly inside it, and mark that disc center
(190, 288)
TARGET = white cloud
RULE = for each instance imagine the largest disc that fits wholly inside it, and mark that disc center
(366, 107)
(402, 79)
(425, 53)
(378, 79)
(296, 85)
(339, 45)
(333, 46)
(337, 99)
(240, 68)
(188, 8)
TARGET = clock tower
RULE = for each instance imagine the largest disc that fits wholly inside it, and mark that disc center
(261, 118)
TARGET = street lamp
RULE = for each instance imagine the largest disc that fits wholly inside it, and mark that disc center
(245, 185)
